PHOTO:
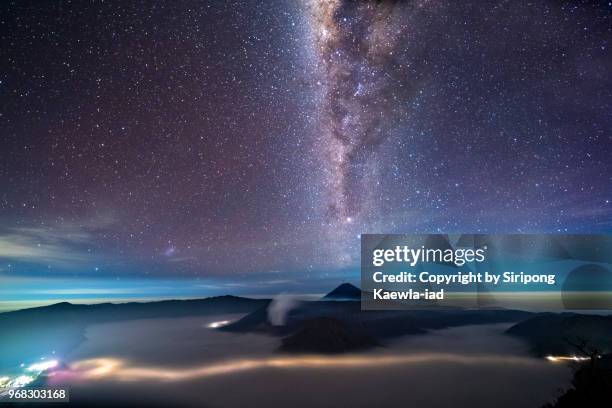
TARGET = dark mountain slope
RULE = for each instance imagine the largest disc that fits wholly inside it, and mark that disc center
(31, 333)
(327, 335)
(346, 291)
(557, 334)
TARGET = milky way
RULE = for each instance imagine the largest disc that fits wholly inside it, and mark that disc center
(365, 87)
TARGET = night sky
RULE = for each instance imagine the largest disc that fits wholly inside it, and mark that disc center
(189, 148)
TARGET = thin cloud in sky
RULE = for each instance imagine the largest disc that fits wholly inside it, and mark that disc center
(65, 248)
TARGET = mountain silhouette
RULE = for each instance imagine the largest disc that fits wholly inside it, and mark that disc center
(327, 335)
(61, 326)
(345, 291)
(551, 333)
(381, 325)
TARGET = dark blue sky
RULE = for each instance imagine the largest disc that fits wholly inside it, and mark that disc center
(246, 145)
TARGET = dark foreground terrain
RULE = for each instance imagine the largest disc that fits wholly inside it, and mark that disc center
(334, 325)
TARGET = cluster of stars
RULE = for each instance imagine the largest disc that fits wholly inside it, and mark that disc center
(166, 136)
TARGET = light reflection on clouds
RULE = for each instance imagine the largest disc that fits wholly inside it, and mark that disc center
(119, 369)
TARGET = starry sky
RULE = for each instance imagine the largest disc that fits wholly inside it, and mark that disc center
(191, 147)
